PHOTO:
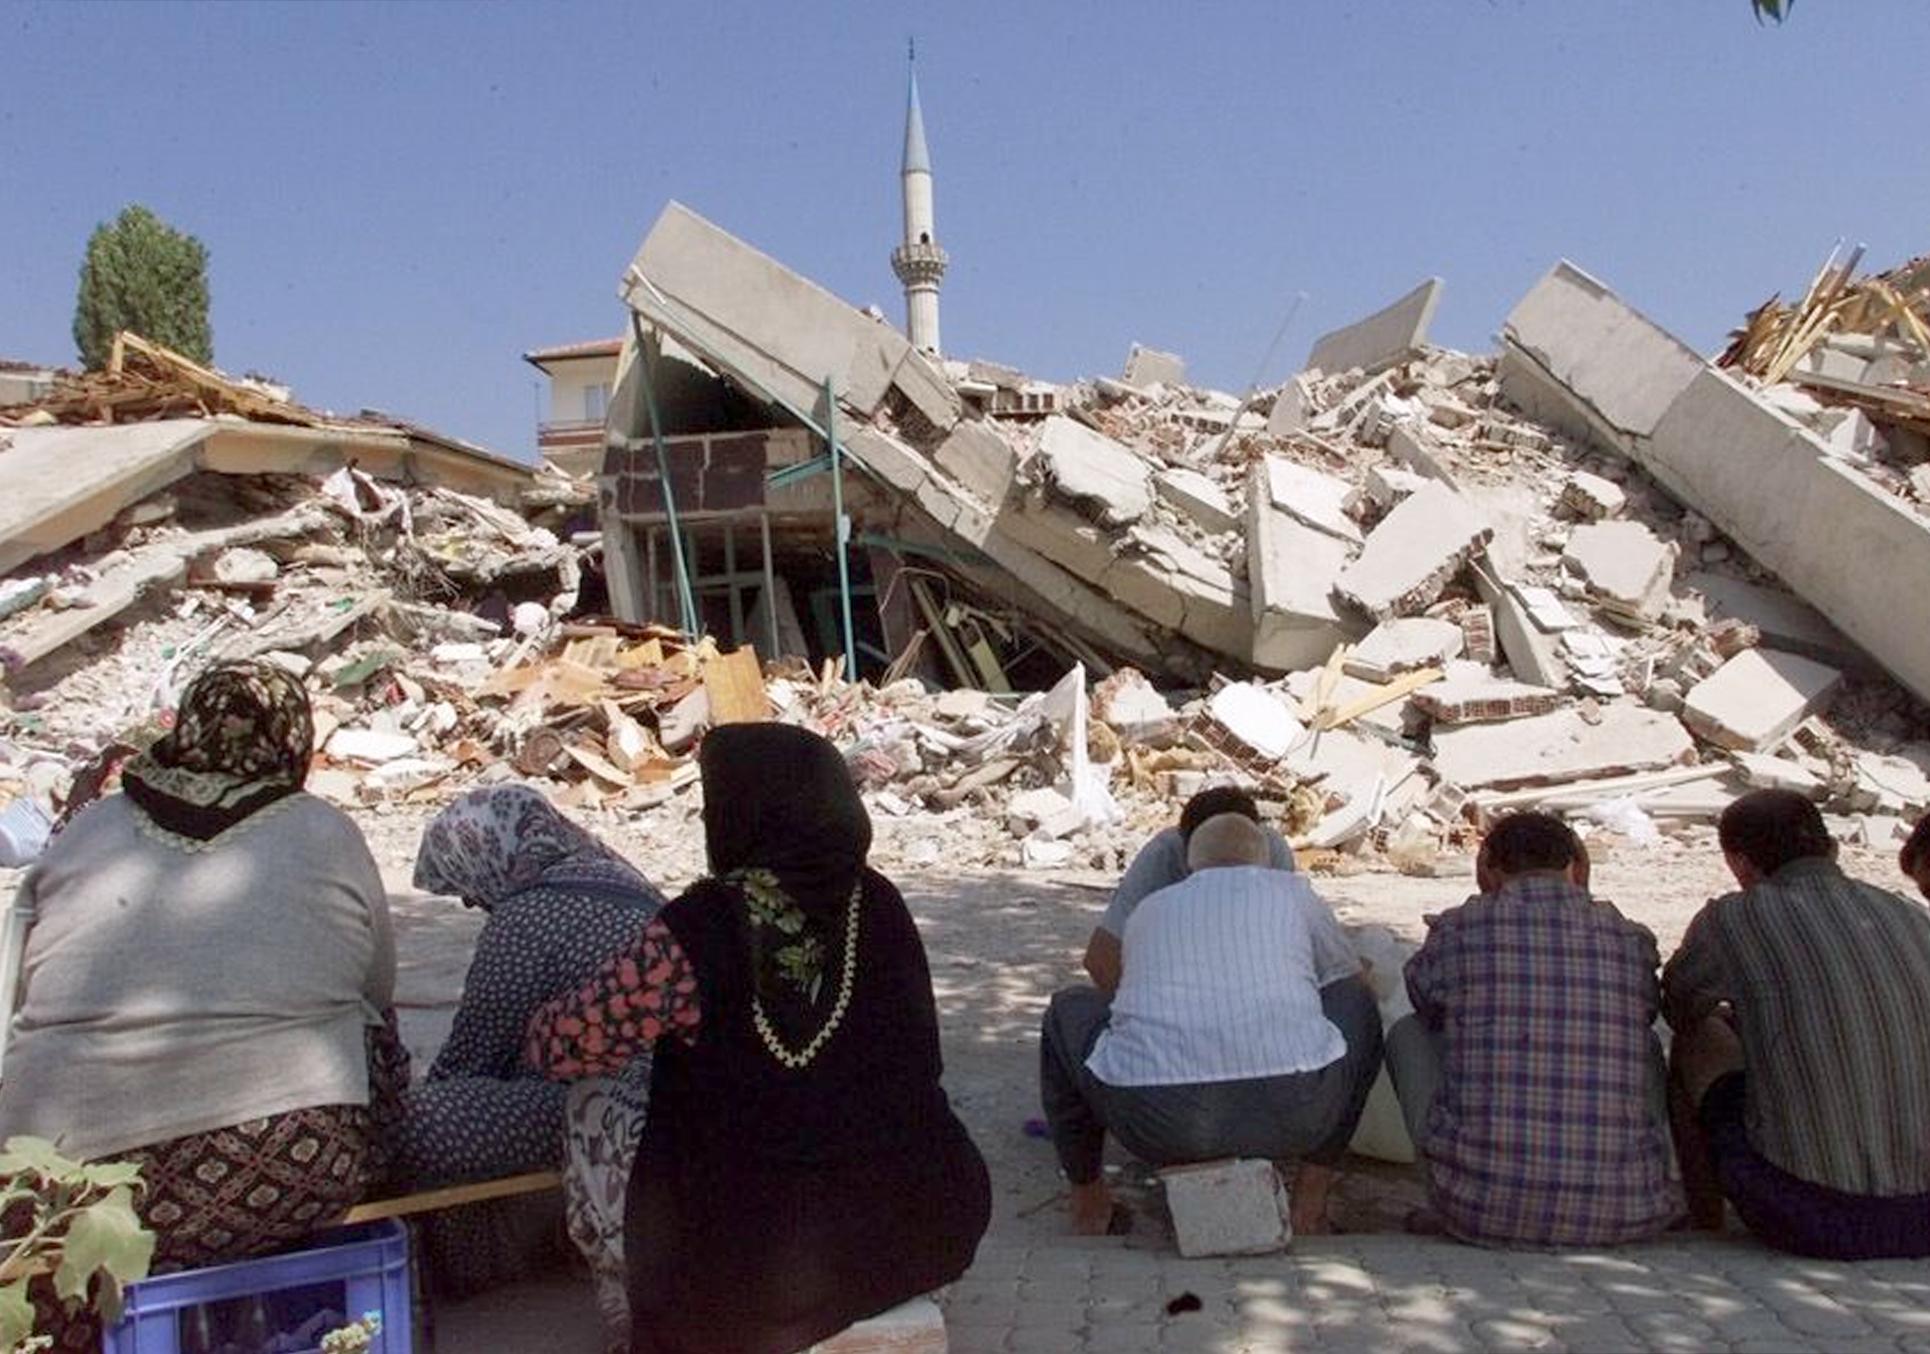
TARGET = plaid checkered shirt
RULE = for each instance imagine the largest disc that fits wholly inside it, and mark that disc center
(1543, 1132)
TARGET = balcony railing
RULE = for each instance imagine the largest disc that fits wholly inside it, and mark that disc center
(570, 432)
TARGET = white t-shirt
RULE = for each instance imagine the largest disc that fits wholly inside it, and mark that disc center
(1222, 980)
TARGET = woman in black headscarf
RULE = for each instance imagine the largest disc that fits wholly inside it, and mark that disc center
(801, 1169)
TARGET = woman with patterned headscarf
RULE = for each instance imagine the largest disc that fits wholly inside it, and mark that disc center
(205, 980)
(801, 1169)
(556, 901)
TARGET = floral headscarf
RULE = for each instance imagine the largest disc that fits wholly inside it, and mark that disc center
(498, 841)
(242, 739)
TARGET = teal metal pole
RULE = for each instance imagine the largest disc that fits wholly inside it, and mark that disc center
(686, 604)
(837, 509)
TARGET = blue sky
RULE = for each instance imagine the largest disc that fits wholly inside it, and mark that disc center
(400, 199)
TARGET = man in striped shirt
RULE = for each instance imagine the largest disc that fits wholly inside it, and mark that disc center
(1800, 1083)
(1241, 1028)
(1529, 1073)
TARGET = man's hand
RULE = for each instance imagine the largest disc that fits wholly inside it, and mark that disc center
(1105, 960)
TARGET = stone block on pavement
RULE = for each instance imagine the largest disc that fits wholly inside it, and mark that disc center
(1233, 1207)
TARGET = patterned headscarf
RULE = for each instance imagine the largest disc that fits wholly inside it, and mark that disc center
(241, 740)
(498, 841)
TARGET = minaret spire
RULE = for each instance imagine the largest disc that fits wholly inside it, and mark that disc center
(918, 261)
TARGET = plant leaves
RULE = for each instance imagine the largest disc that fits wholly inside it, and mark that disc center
(25, 1155)
(105, 1236)
(111, 1174)
(16, 1314)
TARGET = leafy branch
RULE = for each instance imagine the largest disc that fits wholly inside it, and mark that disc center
(79, 1226)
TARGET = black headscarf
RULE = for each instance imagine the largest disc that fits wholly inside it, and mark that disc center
(787, 834)
(780, 798)
(242, 739)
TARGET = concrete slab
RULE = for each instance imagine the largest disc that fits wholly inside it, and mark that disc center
(1388, 336)
(976, 456)
(1474, 697)
(1555, 748)
(1592, 498)
(1387, 485)
(1626, 567)
(63, 483)
(1415, 450)
(1390, 722)
(744, 311)
(1291, 569)
(1753, 701)
(1403, 645)
(1198, 497)
(1292, 407)
(1257, 718)
(1311, 496)
(1093, 471)
(1597, 349)
(1532, 654)
(1853, 550)
(1413, 553)
(1785, 620)
(1232, 1207)
(1149, 366)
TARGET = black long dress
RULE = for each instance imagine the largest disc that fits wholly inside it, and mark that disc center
(771, 1208)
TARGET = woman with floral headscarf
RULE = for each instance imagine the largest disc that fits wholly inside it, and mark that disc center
(555, 902)
(204, 984)
(801, 1169)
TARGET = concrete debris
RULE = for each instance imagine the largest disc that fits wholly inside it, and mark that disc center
(1150, 367)
(1233, 1207)
(1626, 569)
(1413, 554)
(1093, 472)
(1562, 746)
(1474, 697)
(1311, 497)
(1590, 498)
(1381, 340)
(1403, 645)
(1757, 698)
(1199, 498)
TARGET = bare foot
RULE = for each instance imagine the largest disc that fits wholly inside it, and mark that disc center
(1308, 1207)
(1091, 1208)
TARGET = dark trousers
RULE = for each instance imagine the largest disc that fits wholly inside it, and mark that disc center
(1309, 1116)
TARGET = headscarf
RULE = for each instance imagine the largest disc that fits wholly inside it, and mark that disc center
(242, 739)
(784, 826)
(496, 842)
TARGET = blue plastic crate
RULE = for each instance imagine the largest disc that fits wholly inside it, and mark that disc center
(351, 1271)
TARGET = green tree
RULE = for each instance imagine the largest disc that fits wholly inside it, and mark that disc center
(142, 274)
(1772, 9)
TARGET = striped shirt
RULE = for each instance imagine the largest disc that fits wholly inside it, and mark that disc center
(1830, 981)
(1221, 982)
(1542, 1133)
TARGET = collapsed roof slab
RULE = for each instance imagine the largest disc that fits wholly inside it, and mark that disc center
(747, 313)
(1291, 568)
(1384, 338)
(62, 483)
(1571, 340)
(1563, 746)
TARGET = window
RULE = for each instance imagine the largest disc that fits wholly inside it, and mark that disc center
(596, 402)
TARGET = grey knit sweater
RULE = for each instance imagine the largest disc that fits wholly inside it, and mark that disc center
(171, 987)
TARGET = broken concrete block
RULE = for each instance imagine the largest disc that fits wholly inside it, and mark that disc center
(1413, 554)
(1895, 784)
(1092, 470)
(1591, 498)
(1127, 704)
(1784, 620)
(1403, 645)
(1309, 496)
(1764, 772)
(679, 726)
(1149, 366)
(1233, 1207)
(1413, 449)
(1920, 482)
(1477, 635)
(1257, 718)
(1386, 486)
(1384, 338)
(1578, 357)
(1044, 810)
(1390, 722)
(1292, 407)
(1198, 498)
(372, 746)
(1627, 569)
(1562, 746)
(962, 703)
(1755, 699)
(1474, 697)
(1291, 568)
(976, 456)
(243, 564)
(915, 1327)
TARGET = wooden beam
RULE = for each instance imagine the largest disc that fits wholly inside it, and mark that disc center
(453, 1196)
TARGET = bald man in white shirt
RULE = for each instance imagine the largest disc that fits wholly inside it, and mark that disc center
(1241, 1027)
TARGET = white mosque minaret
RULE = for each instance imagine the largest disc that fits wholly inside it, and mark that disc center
(919, 262)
